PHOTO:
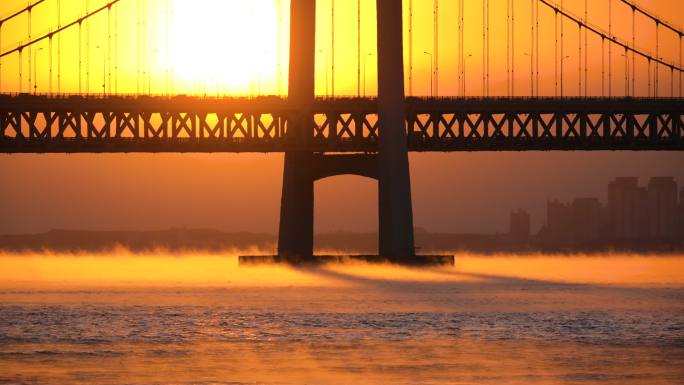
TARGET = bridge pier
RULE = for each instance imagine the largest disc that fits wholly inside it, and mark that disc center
(295, 240)
(390, 166)
(396, 212)
(301, 171)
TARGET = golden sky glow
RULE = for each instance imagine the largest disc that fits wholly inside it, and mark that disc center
(241, 47)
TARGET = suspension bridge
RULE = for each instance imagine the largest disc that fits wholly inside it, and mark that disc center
(628, 99)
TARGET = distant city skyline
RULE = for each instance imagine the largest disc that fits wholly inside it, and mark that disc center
(631, 211)
(463, 193)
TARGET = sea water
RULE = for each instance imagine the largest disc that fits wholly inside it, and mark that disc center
(203, 319)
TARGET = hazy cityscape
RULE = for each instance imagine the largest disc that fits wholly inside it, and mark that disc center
(633, 214)
(636, 217)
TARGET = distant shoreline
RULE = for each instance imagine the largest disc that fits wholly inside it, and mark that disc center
(182, 241)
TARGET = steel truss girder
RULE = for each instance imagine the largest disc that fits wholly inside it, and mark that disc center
(40, 124)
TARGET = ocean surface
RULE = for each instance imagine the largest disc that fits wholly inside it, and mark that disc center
(202, 319)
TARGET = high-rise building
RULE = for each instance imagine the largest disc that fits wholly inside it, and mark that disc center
(662, 207)
(520, 224)
(681, 213)
(586, 219)
(627, 208)
(632, 212)
(559, 222)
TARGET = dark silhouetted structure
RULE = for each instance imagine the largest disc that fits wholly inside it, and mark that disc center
(396, 213)
(520, 228)
(297, 200)
(662, 207)
(558, 229)
(634, 214)
(389, 166)
(587, 219)
(115, 124)
(627, 208)
(568, 224)
(681, 213)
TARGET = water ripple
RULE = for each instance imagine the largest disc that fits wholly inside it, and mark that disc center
(91, 325)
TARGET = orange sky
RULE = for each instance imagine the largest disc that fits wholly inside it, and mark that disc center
(451, 192)
(240, 47)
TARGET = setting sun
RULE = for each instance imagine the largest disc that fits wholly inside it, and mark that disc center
(233, 49)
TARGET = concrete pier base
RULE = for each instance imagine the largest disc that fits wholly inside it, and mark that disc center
(412, 261)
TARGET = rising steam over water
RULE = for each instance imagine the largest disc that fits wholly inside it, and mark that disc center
(150, 319)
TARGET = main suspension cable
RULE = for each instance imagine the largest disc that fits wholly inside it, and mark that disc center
(609, 37)
(651, 16)
(28, 8)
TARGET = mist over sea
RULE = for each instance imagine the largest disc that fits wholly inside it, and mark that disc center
(198, 318)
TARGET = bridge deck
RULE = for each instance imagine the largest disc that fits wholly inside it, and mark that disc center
(115, 124)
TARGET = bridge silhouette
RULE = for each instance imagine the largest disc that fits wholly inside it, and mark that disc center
(113, 124)
(369, 137)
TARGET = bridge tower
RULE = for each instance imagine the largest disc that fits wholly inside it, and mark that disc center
(390, 167)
